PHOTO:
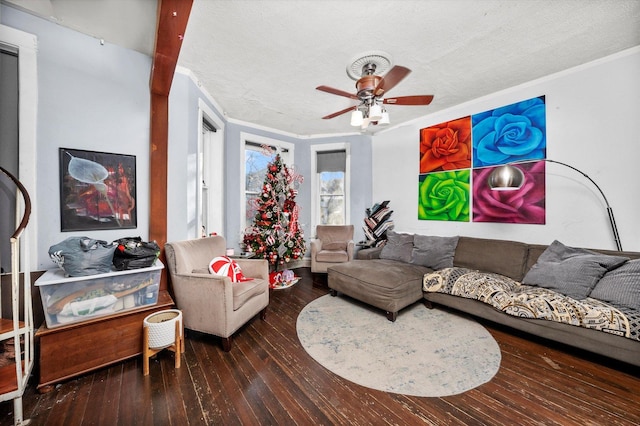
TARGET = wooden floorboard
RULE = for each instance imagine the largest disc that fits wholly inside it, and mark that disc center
(268, 378)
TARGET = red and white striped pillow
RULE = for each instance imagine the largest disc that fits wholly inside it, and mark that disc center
(226, 267)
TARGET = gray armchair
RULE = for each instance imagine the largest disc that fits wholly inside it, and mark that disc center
(211, 303)
(333, 244)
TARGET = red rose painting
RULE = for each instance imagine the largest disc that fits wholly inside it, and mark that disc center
(446, 146)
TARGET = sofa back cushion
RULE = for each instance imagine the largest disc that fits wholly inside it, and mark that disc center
(535, 250)
(398, 247)
(620, 286)
(433, 252)
(184, 257)
(571, 271)
(335, 237)
(503, 257)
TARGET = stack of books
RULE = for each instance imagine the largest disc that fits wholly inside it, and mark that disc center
(377, 222)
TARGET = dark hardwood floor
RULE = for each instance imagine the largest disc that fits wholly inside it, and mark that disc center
(268, 378)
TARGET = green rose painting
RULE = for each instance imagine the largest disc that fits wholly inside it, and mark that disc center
(444, 196)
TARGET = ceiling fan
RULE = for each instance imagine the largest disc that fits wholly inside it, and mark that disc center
(371, 89)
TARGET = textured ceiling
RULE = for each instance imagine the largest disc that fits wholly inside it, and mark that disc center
(262, 59)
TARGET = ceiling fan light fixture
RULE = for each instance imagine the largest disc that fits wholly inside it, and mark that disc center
(375, 112)
(356, 118)
(371, 88)
(384, 119)
(381, 60)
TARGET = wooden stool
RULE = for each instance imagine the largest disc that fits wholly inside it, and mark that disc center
(162, 338)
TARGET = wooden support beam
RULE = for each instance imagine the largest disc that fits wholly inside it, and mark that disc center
(173, 16)
(172, 19)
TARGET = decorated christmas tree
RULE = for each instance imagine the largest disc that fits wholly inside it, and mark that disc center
(275, 234)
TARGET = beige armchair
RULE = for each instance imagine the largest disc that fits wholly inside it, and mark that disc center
(211, 303)
(333, 244)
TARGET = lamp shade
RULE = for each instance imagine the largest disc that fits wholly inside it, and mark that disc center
(506, 178)
(356, 118)
(375, 112)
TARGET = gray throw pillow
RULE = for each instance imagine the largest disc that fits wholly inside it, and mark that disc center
(434, 252)
(571, 271)
(621, 286)
(397, 247)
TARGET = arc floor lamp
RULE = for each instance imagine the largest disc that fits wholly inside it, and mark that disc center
(508, 177)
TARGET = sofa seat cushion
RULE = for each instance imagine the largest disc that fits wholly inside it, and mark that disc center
(335, 245)
(246, 290)
(386, 284)
(524, 301)
(334, 256)
(384, 273)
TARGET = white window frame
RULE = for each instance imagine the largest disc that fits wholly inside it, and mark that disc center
(315, 181)
(27, 45)
(286, 151)
(215, 182)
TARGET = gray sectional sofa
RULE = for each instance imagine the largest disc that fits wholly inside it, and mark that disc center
(549, 291)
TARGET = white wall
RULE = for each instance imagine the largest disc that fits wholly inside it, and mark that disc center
(91, 97)
(182, 167)
(592, 124)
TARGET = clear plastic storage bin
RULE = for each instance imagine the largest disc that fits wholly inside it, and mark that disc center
(67, 300)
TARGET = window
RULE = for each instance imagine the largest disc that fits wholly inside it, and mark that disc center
(258, 153)
(330, 183)
(331, 175)
(210, 173)
(211, 182)
(255, 160)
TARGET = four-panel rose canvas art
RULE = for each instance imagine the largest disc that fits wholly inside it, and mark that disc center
(456, 158)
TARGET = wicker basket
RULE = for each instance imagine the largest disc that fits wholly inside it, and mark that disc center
(162, 327)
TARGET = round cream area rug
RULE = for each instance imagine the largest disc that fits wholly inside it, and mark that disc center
(425, 352)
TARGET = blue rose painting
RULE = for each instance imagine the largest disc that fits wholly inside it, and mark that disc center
(510, 133)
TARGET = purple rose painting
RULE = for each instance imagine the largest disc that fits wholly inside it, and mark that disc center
(525, 205)
(510, 133)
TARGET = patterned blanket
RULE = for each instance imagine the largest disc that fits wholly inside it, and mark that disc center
(525, 301)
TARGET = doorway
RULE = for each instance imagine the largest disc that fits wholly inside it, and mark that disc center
(9, 148)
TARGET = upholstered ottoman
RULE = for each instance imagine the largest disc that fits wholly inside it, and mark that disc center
(386, 284)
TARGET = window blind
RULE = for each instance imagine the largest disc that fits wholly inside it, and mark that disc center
(331, 161)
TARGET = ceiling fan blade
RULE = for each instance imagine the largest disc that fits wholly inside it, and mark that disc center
(335, 114)
(337, 92)
(409, 100)
(391, 79)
